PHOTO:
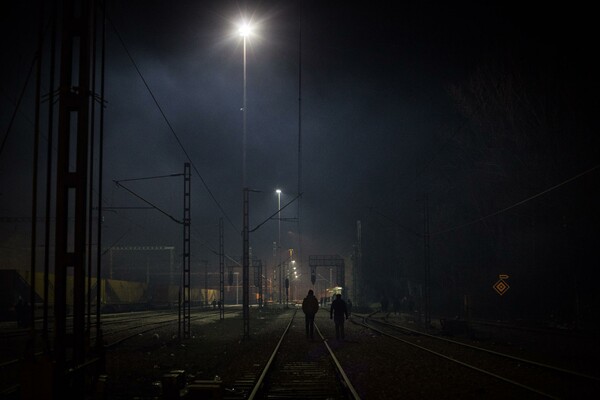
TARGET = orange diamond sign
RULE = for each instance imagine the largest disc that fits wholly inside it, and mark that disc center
(501, 286)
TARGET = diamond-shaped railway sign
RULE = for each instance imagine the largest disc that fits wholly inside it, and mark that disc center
(501, 286)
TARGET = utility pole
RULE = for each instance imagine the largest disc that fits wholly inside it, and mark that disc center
(72, 171)
(358, 264)
(299, 131)
(279, 245)
(257, 266)
(185, 302)
(221, 271)
(245, 268)
(205, 262)
(427, 264)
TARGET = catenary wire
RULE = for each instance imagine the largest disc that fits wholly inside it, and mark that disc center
(170, 126)
(517, 203)
(147, 202)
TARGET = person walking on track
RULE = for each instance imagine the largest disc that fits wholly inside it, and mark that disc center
(310, 306)
(339, 313)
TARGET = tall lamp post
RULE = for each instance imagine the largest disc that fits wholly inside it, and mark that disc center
(278, 191)
(244, 31)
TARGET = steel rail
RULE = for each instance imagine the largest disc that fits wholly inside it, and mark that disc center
(480, 370)
(523, 360)
(339, 369)
(267, 367)
(15, 362)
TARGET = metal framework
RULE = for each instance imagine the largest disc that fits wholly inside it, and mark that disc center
(258, 281)
(357, 290)
(221, 271)
(329, 261)
(427, 263)
(246, 268)
(72, 185)
(71, 191)
(186, 295)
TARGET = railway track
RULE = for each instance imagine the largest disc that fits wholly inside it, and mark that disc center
(121, 331)
(297, 368)
(117, 328)
(536, 378)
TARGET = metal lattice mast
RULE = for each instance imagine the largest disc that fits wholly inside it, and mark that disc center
(258, 281)
(329, 261)
(357, 269)
(299, 131)
(221, 271)
(186, 250)
(427, 263)
(71, 189)
(245, 268)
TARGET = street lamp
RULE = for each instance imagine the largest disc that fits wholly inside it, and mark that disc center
(244, 30)
(278, 191)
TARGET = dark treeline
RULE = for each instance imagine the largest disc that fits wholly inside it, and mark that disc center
(529, 108)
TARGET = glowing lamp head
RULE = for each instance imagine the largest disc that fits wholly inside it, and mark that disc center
(245, 29)
(278, 191)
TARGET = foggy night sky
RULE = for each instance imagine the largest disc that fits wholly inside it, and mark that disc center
(376, 110)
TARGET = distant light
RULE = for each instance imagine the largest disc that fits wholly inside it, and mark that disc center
(245, 29)
(278, 191)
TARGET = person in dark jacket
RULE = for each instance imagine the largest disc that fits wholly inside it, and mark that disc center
(310, 306)
(339, 313)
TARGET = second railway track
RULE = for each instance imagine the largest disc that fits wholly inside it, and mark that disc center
(537, 378)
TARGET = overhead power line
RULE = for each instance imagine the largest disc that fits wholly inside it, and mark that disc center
(395, 222)
(147, 202)
(21, 95)
(212, 250)
(150, 177)
(274, 214)
(170, 126)
(116, 241)
(517, 203)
